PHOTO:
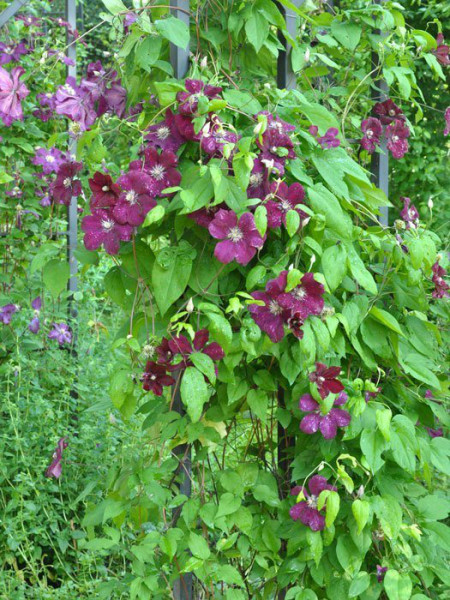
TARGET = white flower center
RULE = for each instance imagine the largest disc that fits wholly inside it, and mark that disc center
(285, 205)
(163, 132)
(312, 501)
(131, 197)
(299, 293)
(67, 182)
(107, 224)
(369, 134)
(256, 179)
(275, 308)
(69, 89)
(274, 149)
(392, 112)
(395, 138)
(235, 234)
(49, 158)
(157, 172)
(105, 188)
(96, 73)
(320, 379)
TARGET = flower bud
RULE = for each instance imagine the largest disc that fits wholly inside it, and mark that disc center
(307, 55)
(430, 203)
(190, 306)
(321, 466)
(130, 336)
(204, 63)
(258, 128)
(313, 259)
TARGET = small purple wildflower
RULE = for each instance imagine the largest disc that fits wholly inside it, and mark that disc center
(329, 140)
(381, 572)
(441, 287)
(447, 121)
(61, 333)
(409, 214)
(55, 467)
(7, 311)
(325, 379)
(50, 159)
(12, 92)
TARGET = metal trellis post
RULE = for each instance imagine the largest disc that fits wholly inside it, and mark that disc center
(286, 79)
(379, 166)
(179, 58)
(72, 210)
(11, 10)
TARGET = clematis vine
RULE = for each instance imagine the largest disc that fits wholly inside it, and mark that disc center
(161, 168)
(61, 333)
(397, 134)
(182, 347)
(50, 159)
(306, 510)
(100, 228)
(327, 424)
(271, 316)
(441, 287)
(282, 199)
(7, 311)
(105, 192)
(409, 214)
(165, 135)
(447, 122)
(196, 89)
(240, 238)
(388, 112)
(372, 130)
(35, 324)
(136, 200)
(65, 185)
(442, 51)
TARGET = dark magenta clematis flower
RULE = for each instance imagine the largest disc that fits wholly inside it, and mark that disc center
(274, 122)
(50, 159)
(188, 101)
(75, 103)
(28, 20)
(101, 228)
(372, 130)
(104, 191)
(114, 99)
(240, 237)
(409, 214)
(428, 394)
(295, 324)
(276, 148)
(164, 352)
(327, 424)
(447, 121)
(381, 572)
(388, 112)
(155, 378)
(397, 142)
(442, 50)
(434, 433)
(325, 379)
(12, 92)
(329, 139)
(55, 467)
(441, 287)
(306, 511)
(271, 317)
(204, 216)
(214, 137)
(161, 167)
(6, 313)
(135, 200)
(258, 185)
(65, 185)
(61, 333)
(180, 345)
(306, 299)
(368, 395)
(165, 135)
(282, 199)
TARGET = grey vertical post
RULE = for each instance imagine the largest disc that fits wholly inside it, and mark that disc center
(286, 79)
(179, 58)
(72, 210)
(379, 165)
(11, 10)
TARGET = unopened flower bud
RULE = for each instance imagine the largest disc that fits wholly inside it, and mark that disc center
(258, 128)
(190, 306)
(313, 259)
(267, 86)
(360, 492)
(130, 336)
(112, 419)
(430, 203)
(321, 466)
(307, 55)
(204, 63)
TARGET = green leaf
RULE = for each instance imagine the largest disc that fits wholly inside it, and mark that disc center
(5, 178)
(292, 222)
(348, 554)
(205, 365)
(194, 392)
(359, 584)
(347, 34)
(229, 575)
(403, 442)
(120, 386)
(257, 30)
(386, 319)
(315, 543)
(147, 53)
(383, 417)
(170, 274)
(198, 546)
(115, 6)
(372, 445)
(434, 507)
(334, 265)
(221, 329)
(258, 402)
(333, 504)
(389, 513)
(361, 512)
(440, 534)
(154, 215)
(398, 586)
(175, 30)
(261, 219)
(56, 274)
(325, 203)
(359, 271)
